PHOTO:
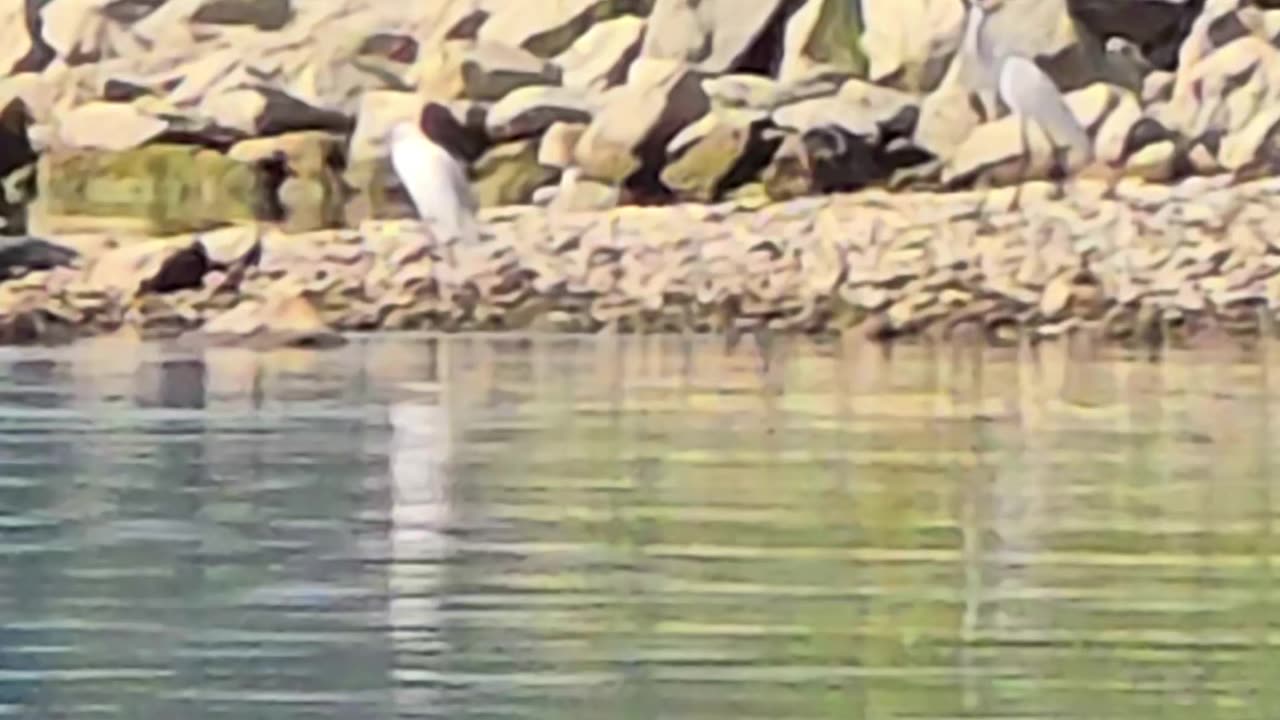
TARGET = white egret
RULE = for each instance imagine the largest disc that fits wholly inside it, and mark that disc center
(423, 157)
(1021, 85)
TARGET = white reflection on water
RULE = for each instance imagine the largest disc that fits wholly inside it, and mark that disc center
(422, 509)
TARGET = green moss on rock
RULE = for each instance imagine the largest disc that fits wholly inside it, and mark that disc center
(175, 188)
(509, 173)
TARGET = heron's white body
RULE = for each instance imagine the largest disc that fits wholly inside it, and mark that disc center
(436, 183)
(1021, 85)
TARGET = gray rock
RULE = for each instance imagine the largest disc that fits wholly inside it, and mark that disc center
(18, 254)
(1156, 26)
(262, 14)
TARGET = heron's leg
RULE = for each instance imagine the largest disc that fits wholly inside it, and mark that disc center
(1024, 164)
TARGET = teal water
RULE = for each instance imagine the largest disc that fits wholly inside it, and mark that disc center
(603, 527)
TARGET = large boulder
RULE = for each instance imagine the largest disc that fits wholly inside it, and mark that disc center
(555, 149)
(823, 34)
(909, 43)
(716, 36)
(756, 92)
(531, 110)
(637, 120)
(858, 108)
(107, 126)
(545, 28)
(16, 41)
(509, 173)
(703, 157)
(83, 31)
(599, 59)
(490, 71)
(1220, 94)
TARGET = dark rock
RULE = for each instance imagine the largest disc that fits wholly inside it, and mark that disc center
(29, 253)
(1157, 26)
(263, 14)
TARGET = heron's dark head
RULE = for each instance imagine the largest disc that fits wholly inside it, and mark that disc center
(440, 127)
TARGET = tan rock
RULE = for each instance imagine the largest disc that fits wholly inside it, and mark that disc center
(378, 112)
(304, 153)
(821, 35)
(601, 57)
(544, 28)
(659, 99)
(576, 194)
(509, 173)
(1253, 150)
(437, 72)
(1154, 162)
(1223, 91)
(160, 265)
(15, 42)
(859, 108)
(790, 173)
(556, 147)
(995, 154)
(230, 246)
(284, 318)
(529, 111)
(1092, 105)
(1112, 136)
(1157, 86)
(701, 156)
(78, 30)
(1218, 23)
(712, 35)
(909, 43)
(107, 126)
(490, 71)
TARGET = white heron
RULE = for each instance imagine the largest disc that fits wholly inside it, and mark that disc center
(423, 157)
(1021, 85)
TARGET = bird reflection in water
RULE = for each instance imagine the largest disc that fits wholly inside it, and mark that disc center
(422, 510)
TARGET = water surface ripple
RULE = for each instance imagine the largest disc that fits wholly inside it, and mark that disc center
(507, 527)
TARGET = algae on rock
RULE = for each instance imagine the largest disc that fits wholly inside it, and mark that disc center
(172, 188)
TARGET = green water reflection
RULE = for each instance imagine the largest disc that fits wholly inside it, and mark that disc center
(636, 528)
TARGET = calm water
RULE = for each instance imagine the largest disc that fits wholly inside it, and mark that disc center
(637, 528)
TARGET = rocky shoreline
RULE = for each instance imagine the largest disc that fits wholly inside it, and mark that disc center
(1136, 262)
